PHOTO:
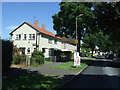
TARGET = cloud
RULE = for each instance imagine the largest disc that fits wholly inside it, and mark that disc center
(11, 27)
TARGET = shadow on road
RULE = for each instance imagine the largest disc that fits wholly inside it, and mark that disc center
(93, 81)
(95, 77)
(105, 64)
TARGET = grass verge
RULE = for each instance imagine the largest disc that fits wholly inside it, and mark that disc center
(34, 65)
(69, 65)
(31, 81)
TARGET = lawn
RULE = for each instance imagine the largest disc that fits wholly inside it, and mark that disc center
(31, 81)
(69, 65)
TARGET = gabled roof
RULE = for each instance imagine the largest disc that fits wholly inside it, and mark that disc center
(64, 39)
(38, 29)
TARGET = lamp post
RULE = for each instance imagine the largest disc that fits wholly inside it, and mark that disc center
(76, 54)
(76, 30)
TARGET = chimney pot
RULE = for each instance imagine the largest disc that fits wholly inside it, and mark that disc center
(44, 26)
(36, 22)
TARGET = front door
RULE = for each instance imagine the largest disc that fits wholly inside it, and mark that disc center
(23, 50)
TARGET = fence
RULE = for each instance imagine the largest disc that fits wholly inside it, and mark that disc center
(51, 58)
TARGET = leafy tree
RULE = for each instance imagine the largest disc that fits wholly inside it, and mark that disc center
(97, 39)
(65, 20)
(108, 20)
(103, 42)
(90, 41)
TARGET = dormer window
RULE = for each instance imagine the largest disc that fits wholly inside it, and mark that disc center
(18, 36)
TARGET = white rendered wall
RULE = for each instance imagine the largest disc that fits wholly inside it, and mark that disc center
(24, 29)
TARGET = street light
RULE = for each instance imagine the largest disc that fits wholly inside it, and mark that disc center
(76, 54)
(76, 30)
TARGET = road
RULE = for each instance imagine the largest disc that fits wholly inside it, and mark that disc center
(99, 74)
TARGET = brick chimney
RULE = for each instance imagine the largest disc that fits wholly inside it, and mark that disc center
(44, 26)
(36, 22)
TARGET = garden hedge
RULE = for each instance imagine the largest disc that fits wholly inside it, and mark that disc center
(7, 51)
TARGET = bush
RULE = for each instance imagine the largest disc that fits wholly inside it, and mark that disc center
(7, 51)
(19, 59)
(37, 57)
(37, 53)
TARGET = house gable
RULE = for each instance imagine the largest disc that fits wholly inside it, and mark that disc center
(21, 26)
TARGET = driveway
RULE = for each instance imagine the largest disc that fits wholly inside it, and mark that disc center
(99, 74)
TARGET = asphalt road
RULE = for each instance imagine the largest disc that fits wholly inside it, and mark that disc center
(99, 74)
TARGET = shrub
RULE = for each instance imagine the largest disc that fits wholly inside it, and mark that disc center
(37, 53)
(18, 59)
(7, 50)
(37, 57)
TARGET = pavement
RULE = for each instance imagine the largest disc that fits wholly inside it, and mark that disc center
(99, 74)
(64, 74)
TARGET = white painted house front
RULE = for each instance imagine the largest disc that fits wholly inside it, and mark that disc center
(29, 37)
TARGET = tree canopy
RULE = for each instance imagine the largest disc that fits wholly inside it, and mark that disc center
(65, 20)
(102, 17)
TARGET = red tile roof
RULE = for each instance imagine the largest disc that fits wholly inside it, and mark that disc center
(44, 31)
(64, 39)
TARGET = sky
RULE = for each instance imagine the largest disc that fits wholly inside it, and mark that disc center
(15, 13)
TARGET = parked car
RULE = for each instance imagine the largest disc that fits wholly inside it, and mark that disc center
(110, 56)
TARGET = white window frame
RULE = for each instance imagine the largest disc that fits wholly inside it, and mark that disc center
(32, 36)
(18, 36)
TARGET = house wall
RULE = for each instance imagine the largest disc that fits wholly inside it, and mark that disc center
(25, 29)
(71, 47)
(68, 47)
(45, 44)
(42, 41)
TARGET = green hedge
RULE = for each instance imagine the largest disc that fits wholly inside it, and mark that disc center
(37, 57)
(7, 51)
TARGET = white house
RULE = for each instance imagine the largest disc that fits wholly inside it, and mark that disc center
(29, 37)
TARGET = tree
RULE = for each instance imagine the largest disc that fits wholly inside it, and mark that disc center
(97, 39)
(64, 20)
(108, 20)
(103, 42)
(90, 41)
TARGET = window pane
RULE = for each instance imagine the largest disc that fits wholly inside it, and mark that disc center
(25, 36)
(19, 36)
(33, 36)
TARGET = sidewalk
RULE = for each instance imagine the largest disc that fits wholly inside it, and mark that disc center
(54, 72)
(66, 75)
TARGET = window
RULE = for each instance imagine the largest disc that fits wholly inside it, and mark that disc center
(25, 36)
(43, 50)
(22, 50)
(64, 45)
(50, 41)
(34, 49)
(55, 42)
(28, 50)
(18, 36)
(31, 36)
